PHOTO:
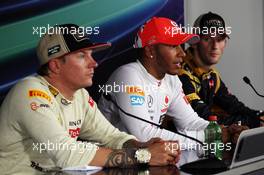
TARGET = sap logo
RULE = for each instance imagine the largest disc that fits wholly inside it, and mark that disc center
(136, 100)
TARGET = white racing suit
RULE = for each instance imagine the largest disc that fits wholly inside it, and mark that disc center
(137, 92)
(37, 124)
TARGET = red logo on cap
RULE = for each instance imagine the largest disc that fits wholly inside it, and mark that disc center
(174, 23)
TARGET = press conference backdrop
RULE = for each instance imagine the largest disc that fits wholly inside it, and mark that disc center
(118, 20)
(115, 21)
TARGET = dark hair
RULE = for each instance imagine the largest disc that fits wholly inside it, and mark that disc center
(44, 70)
(139, 52)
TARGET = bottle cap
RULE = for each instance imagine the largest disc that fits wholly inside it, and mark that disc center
(212, 118)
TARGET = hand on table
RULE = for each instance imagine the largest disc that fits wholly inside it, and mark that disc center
(231, 133)
(164, 153)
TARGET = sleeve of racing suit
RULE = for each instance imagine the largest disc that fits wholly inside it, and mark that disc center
(42, 125)
(185, 118)
(196, 102)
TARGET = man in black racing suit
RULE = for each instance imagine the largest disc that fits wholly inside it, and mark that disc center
(202, 84)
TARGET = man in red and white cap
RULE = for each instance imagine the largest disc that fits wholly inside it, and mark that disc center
(150, 88)
(43, 115)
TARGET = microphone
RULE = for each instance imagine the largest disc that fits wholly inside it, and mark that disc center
(109, 98)
(247, 80)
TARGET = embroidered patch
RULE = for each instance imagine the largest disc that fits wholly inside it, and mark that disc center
(74, 132)
(38, 93)
(53, 50)
(53, 91)
(135, 90)
(34, 106)
(136, 100)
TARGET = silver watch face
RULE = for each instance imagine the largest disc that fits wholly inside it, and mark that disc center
(143, 156)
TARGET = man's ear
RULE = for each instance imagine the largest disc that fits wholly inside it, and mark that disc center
(55, 65)
(150, 51)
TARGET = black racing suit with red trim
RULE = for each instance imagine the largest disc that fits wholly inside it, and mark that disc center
(205, 91)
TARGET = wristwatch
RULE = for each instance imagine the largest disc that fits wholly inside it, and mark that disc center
(143, 155)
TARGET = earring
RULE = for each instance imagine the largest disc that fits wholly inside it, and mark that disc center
(151, 56)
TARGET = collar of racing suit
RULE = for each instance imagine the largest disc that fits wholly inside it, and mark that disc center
(189, 65)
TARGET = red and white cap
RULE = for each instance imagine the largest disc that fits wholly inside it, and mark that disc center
(162, 30)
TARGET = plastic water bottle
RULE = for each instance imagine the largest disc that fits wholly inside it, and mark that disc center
(213, 138)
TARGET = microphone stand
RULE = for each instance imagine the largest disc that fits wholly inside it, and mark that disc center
(247, 80)
(108, 98)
